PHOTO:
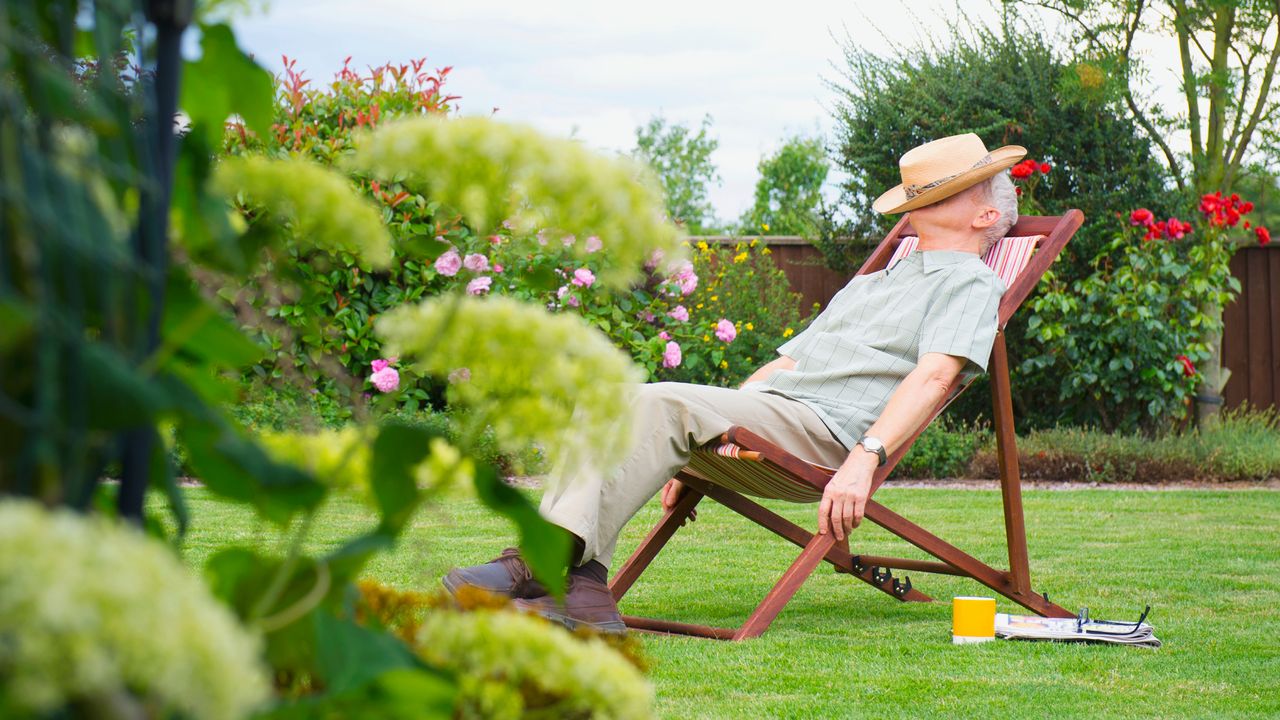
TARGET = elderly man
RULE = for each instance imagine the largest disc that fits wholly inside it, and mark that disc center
(845, 392)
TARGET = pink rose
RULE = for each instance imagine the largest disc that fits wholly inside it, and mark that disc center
(679, 313)
(686, 278)
(583, 277)
(386, 379)
(726, 331)
(593, 244)
(449, 263)
(663, 335)
(379, 365)
(671, 356)
(475, 262)
(497, 267)
(568, 240)
(561, 291)
(479, 285)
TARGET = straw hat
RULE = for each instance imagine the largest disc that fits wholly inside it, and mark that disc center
(942, 168)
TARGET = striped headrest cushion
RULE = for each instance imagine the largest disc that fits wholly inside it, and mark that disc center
(1007, 257)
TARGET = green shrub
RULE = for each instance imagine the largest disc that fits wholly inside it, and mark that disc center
(943, 450)
(1243, 446)
(745, 286)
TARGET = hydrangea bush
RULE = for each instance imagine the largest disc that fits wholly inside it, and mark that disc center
(94, 613)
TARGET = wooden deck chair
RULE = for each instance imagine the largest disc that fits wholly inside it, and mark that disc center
(742, 463)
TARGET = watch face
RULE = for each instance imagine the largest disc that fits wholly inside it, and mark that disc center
(872, 444)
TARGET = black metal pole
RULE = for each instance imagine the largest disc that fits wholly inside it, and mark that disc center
(170, 18)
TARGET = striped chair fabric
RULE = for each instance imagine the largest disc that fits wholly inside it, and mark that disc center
(729, 466)
(1007, 257)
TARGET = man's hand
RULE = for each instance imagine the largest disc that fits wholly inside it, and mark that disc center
(844, 500)
(671, 494)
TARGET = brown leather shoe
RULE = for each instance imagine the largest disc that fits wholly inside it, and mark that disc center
(588, 602)
(506, 575)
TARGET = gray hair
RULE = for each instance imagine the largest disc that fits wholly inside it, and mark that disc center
(998, 192)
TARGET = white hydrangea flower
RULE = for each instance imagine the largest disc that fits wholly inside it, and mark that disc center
(319, 203)
(495, 653)
(535, 376)
(494, 172)
(91, 609)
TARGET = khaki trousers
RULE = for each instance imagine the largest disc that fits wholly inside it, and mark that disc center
(670, 420)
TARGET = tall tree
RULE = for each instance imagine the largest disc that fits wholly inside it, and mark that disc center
(789, 191)
(1227, 52)
(682, 160)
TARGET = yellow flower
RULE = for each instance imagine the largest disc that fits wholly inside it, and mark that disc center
(740, 257)
(715, 298)
(706, 338)
(699, 306)
(724, 364)
(751, 326)
(755, 242)
(765, 226)
(787, 333)
(702, 245)
(766, 251)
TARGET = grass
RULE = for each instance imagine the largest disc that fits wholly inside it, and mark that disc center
(1207, 561)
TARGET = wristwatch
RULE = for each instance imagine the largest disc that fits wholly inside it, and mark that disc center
(874, 445)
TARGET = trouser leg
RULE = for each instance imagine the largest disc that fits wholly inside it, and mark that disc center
(669, 420)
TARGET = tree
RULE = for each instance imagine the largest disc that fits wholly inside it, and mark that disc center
(1008, 87)
(789, 191)
(682, 160)
(1227, 53)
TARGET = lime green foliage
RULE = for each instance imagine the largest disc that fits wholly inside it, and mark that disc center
(681, 158)
(788, 197)
(1114, 337)
(1204, 560)
(504, 658)
(531, 375)
(93, 611)
(740, 283)
(318, 204)
(493, 172)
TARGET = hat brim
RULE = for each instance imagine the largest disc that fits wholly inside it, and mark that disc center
(895, 200)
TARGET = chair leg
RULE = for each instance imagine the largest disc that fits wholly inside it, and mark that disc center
(653, 544)
(786, 587)
(1015, 530)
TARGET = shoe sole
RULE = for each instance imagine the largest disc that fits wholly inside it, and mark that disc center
(612, 627)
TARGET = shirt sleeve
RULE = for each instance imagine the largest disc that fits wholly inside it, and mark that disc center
(963, 318)
(818, 324)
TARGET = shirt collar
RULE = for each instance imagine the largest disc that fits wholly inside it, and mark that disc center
(938, 259)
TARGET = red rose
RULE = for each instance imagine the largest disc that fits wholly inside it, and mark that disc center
(1246, 224)
(1187, 368)
(1246, 208)
(1233, 217)
(1045, 168)
(1018, 190)
(1264, 235)
(1175, 229)
(1141, 216)
(1021, 171)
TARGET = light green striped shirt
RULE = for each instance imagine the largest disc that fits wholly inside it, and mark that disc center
(873, 332)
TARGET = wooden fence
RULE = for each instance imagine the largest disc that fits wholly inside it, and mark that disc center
(1251, 336)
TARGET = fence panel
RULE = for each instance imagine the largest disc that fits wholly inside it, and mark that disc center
(1251, 336)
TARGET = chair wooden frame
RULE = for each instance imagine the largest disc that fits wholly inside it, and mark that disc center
(748, 447)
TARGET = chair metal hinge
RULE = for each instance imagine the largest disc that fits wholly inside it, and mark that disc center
(900, 589)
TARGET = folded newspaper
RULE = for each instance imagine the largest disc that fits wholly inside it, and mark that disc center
(1081, 628)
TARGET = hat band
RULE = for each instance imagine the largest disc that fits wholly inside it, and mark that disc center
(911, 191)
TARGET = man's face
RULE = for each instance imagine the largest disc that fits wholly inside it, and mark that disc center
(957, 213)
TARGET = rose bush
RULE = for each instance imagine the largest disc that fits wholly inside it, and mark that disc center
(1127, 338)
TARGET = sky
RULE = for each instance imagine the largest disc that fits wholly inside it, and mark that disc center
(596, 70)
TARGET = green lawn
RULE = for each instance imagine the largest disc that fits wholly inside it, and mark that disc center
(1207, 561)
